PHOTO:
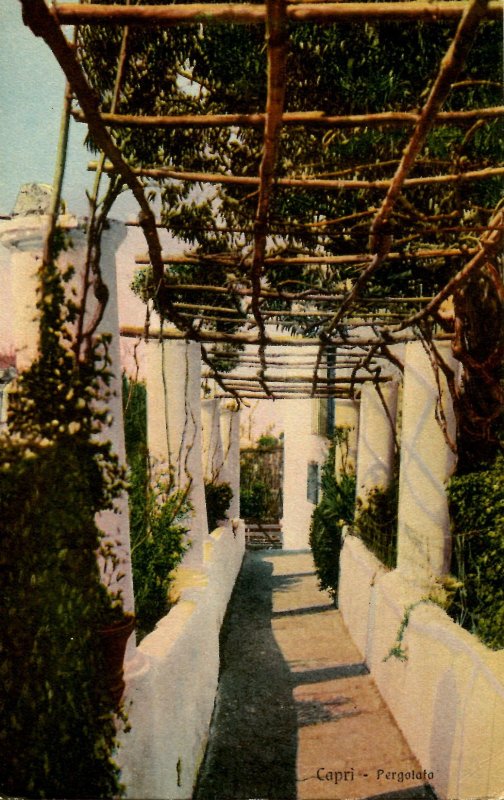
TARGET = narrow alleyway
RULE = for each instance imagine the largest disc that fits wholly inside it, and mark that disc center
(297, 714)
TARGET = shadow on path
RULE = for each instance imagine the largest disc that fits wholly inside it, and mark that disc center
(252, 745)
(415, 793)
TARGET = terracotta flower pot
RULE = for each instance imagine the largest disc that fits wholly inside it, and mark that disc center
(114, 638)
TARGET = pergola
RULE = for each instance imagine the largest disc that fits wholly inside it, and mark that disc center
(348, 331)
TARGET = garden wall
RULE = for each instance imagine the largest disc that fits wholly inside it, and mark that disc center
(447, 696)
(172, 680)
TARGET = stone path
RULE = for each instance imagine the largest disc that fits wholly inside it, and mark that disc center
(297, 715)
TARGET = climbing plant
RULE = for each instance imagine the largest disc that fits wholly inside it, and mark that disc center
(477, 513)
(376, 521)
(335, 509)
(58, 733)
(158, 517)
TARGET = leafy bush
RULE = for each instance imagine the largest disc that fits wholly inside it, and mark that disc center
(261, 470)
(157, 514)
(268, 440)
(218, 498)
(158, 545)
(376, 522)
(477, 513)
(336, 509)
(255, 501)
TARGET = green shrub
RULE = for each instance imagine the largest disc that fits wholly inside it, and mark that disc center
(157, 546)
(261, 476)
(268, 440)
(336, 509)
(376, 522)
(218, 498)
(157, 515)
(58, 731)
(477, 513)
(255, 501)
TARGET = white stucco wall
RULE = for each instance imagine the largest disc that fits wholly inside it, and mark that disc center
(171, 684)
(447, 696)
(300, 447)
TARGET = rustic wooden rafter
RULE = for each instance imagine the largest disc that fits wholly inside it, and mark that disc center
(309, 118)
(277, 40)
(235, 379)
(309, 295)
(302, 260)
(490, 246)
(162, 173)
(135, 332)
(253, 14)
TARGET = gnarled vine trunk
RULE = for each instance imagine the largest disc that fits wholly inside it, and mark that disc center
(479, 346)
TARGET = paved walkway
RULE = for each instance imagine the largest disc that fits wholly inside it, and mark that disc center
(297, 715)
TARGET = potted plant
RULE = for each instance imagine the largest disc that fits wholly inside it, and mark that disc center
(114, 625)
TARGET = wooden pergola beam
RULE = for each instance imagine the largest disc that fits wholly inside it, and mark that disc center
(137, 332)
(290, 365)
(286, 394)
(235, 380)
(311, 295)
(277, 41)
(201, 312)
(354, 258)
(253, 14)
(163, 173)
(312, 118)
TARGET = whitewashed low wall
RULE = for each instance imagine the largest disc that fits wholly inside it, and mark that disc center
(359, 570)
(172, 680)
(447, 696)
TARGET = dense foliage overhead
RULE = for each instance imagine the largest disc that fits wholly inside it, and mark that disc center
(345, 68)
(341, 69)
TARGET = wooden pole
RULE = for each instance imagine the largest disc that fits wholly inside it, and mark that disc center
(277, 339)
(236, 379)
(491, 243)
(277, 40)
(162, 173)
(312, 118)
(311, 294)
(252, 14)
(354, 258)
